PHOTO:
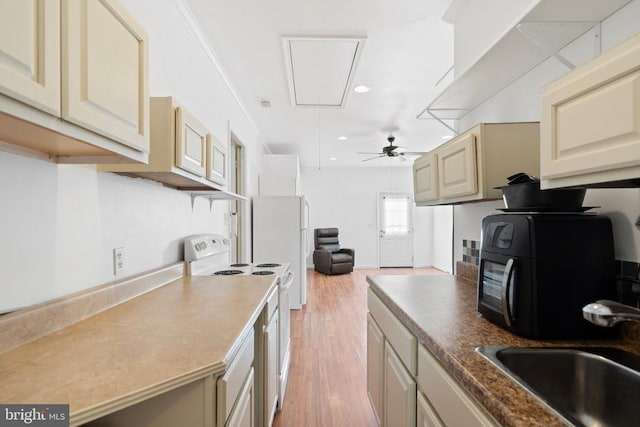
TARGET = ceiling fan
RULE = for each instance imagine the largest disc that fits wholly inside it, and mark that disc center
(390, 151)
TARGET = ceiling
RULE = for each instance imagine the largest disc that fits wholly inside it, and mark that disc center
(402, 48)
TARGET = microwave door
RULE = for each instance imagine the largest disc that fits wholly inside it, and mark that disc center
(507, 291)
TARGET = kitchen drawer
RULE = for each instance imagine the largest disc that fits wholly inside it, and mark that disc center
(401, 339)
(231, 383)
(451, 403)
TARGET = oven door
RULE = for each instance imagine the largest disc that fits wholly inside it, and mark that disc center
(496, 289)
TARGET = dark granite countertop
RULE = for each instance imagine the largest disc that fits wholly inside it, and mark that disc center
(441, 311)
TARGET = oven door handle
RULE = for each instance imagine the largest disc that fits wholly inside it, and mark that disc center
(506, 291)
(286, 283)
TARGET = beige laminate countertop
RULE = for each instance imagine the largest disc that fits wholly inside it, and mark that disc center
(441, 311)
(176, 334)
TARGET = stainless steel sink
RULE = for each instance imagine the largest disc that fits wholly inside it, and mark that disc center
(585, 386)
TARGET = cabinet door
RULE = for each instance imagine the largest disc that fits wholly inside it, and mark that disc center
(426, 416)
(271, 369)
(104, 72)
(375, 366)
(191, 142)
(216, 161)
(457, 168)
(425, 178)
(30, 52)
(590, 126)
(242, 414)
(399, 391)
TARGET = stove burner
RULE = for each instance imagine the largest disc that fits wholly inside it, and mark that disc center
(227, 272)
(241, 264)
(268, 265)
(263, 273)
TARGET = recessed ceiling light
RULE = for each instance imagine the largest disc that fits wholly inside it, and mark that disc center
(361, 89)
(265, 104)
(342, 138)
(447, 137)
(333, 158)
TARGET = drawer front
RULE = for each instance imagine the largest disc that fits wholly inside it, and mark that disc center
(401, 339)
(230, 384)
(452, 404)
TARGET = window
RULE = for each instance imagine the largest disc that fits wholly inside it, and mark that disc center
(396, 214)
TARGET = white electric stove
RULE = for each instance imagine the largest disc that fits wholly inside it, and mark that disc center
(208, 254)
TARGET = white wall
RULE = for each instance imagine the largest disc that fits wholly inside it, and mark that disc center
(521, 102)
(347, 198)
(60, 223)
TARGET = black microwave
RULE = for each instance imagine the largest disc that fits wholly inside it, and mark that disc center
(537, 271)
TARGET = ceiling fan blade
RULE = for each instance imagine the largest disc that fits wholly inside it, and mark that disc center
(361, 152)
(371, 158)
(401, 158)
(414, 153)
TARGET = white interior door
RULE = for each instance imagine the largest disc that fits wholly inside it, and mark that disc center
(395, 225)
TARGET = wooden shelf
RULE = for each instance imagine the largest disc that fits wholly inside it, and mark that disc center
(546, 28)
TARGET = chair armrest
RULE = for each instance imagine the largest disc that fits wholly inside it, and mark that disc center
(321, 257)
(349, 251)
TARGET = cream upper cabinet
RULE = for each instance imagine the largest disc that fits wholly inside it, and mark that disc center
(216, 160)
(30, 52)
(73, 81)
(425, 178)
(457, 168)
(590, 127)
(104, 79)
(178, 156)
(191, 142)
(469, 167)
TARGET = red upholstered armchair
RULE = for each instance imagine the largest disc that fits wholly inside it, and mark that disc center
(329, 257)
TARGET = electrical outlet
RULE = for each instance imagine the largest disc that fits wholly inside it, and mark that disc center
(118, 261)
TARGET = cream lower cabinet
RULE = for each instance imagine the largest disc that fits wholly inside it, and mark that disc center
(73, 80)
(443, 401)
(470, 166)
(399, 396)
(271, 370)
(406, 385)
(590, 125)
(375, 367)
(391, 366)
(426, 416)
(223, 401)
(266, 362)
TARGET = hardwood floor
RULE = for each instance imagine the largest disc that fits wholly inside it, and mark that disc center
(327, 378)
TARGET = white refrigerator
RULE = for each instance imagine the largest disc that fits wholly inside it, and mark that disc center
(281, 234)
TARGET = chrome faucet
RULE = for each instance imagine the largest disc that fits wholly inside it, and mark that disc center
(609, 313)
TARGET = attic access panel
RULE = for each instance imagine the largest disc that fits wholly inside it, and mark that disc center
(320, 69)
